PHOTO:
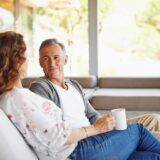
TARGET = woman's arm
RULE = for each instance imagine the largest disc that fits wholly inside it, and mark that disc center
(103, 124)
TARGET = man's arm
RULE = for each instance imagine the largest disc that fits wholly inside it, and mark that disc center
(91, 113)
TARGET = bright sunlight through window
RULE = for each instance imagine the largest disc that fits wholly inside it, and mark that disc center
(129, 38)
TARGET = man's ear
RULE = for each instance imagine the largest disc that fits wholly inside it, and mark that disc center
(66, 59)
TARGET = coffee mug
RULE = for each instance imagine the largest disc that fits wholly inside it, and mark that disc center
(120, 117)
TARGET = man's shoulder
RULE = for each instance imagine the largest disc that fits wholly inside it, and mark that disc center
(40, 82)
(44, 88)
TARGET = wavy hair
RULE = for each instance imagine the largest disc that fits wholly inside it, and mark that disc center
(12, 56)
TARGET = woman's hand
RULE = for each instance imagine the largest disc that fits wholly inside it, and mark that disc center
(104, 124)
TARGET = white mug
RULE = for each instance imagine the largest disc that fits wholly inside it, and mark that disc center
(120, 117)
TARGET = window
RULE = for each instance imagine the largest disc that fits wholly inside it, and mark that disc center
(128, 34)
(129, 38)
(66, 23)
(7, 12)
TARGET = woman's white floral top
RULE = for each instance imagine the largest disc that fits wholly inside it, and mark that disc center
(40, 122)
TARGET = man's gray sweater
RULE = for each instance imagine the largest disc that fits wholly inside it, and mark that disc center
(44, 88)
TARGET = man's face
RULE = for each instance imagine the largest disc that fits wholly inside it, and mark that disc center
(52, 60)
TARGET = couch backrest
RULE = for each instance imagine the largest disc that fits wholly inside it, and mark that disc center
(108, 82)
(133, 82)
(12, 144)
(28, 80)
(85, 81)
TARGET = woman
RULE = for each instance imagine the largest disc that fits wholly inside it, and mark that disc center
(40, 121)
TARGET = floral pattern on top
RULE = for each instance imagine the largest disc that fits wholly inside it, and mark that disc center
(40, 122)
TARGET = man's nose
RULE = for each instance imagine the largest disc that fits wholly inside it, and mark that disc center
(52, 61)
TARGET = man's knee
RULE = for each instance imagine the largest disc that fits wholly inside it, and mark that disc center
(155, 118)
(154, 124)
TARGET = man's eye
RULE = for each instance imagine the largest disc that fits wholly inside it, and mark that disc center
(45, 58)
(56, 57)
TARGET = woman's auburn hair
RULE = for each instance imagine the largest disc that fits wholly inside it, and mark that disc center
(12, 56)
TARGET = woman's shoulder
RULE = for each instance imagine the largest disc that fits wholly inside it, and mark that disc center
(21, 92)
(12, 98)
(18, 95)
(26, 94)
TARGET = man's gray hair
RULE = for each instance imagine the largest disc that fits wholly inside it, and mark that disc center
(51, 41)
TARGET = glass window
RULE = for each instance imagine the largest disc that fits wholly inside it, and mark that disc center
(66, 22)
(129, 38)
(7, 12)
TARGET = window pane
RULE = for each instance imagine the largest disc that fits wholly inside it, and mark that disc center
(67, 23)
(129, 38)
(7, 12)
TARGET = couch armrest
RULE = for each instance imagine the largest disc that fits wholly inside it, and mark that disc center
(12, 144)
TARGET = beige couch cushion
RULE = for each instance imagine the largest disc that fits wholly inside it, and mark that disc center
(89, 92)
(27, 81)
(132, 82)
(12, 145)
(131, 99)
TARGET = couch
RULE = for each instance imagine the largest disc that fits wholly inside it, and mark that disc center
(140, 94)
(137, 95)
(12, 144)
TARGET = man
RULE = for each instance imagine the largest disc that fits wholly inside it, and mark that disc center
(68, 94)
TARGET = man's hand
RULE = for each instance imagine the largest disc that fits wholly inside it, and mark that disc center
(105, 124)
